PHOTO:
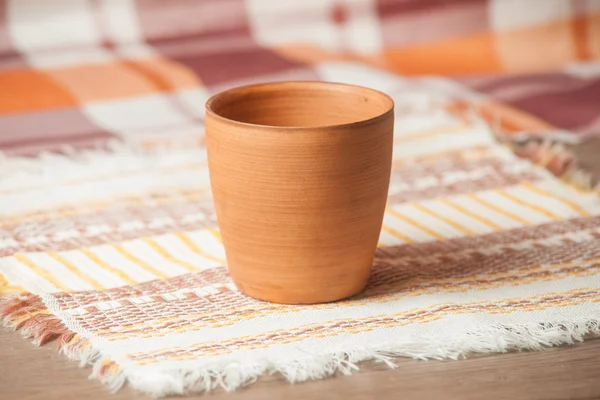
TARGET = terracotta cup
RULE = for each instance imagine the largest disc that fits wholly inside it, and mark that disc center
(299, 174)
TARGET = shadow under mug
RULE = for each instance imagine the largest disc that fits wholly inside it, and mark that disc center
(300, 173)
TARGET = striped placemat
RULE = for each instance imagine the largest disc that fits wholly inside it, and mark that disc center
(118, 256)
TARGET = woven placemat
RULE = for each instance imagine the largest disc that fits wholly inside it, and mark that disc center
(118, 256)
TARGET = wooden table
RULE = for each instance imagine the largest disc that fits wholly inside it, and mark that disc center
(28, 372)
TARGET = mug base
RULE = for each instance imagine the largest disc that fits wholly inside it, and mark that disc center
(297, 297)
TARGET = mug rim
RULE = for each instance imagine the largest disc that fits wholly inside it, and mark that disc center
(356, 88)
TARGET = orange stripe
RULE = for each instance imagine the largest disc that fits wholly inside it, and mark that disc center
(158, 248)
(42, 273)
(472, 215)
(396, 234)
(448, 221)
(498, 210)
(569, 203)
(533, 207)
(192, 246)
(84, 277)
(139, 262)
(416, 224)
(104, 265)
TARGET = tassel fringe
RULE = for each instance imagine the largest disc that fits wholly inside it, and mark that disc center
(30, 316)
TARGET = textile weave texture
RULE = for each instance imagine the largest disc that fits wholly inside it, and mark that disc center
(480, 251)
(108, 238)
(83, 73)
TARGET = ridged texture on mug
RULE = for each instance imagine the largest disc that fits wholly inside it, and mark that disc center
(300, 208)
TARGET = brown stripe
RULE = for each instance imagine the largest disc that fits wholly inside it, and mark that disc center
(47, 227)
(479, 175)
(415, 173)
(491, 181)
(404, 259)
(154, 198)
(49, 235)
(389, 275)
(507, 237)
(200, 279)
(333, 328)
(390, 7)
(388, 280)
(194, 314)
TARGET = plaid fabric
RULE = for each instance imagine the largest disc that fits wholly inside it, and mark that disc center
(81, 73)
(122, 260)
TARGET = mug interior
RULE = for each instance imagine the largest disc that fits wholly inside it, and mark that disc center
(300, 104)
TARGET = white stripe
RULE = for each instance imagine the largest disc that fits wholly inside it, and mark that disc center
(58, 271)
(104, 177)
(389, 240)
(146, 253)
(411, 124)
(180, 251)
(547, 203)
(21, 275)
(99, 274)
(460, 218)
(406, 229)
(485, 212)
(113, 258)
(472, 136)
(207, 243)
(587, 200)
(513, 207)
(432, 223)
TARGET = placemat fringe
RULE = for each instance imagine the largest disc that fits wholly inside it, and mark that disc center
(29, 315)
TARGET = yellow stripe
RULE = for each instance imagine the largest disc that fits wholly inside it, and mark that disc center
(396, 234)
(139, 262)
(472, 215)
(158, 248)
(498, 210)
(533, 207)
(104, 265)
(416, 224)
(192, 246)
(42, 273)
(453, 224)
(6, 287)
(571, 204)
(216, 234)
(84, 277)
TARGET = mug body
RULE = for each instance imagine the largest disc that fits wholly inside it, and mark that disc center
(299, 173)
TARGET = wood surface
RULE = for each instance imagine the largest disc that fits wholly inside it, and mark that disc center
(300, 174)
(569, 372)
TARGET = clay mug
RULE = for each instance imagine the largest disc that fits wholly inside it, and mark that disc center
(299, 173)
